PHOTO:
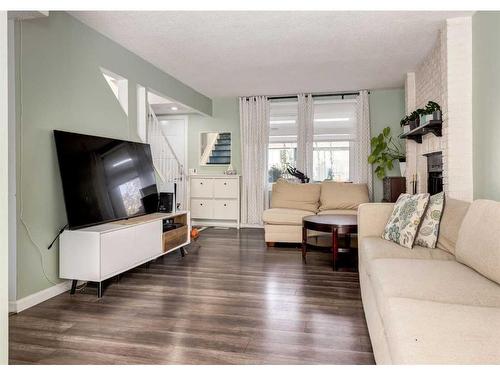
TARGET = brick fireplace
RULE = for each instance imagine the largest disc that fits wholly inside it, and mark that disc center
(445, 76)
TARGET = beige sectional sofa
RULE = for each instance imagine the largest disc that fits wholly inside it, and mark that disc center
(433, 306)
(291, 202)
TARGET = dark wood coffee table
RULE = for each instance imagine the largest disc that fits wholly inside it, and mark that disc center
(334, 224)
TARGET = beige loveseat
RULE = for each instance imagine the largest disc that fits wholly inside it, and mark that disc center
(291, 202)
(433, 306)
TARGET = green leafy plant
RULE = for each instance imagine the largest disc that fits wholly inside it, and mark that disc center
(384, 151)
(429, 109)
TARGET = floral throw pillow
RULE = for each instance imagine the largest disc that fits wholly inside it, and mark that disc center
(428, 233)
(405, 219)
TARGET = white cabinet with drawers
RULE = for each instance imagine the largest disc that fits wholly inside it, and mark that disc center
(215, 200)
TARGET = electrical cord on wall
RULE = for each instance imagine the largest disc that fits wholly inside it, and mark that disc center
(21, 203)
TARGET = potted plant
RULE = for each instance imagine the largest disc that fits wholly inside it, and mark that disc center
(384, 152)
(432, 111)
(412, 120)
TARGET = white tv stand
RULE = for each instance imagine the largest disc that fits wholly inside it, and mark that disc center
(100, 252)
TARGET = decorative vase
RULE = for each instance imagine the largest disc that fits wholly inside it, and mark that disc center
(402, 168)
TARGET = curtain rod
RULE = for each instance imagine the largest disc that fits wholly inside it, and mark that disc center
(342, 94)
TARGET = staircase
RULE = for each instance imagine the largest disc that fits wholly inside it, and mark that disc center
(221, 152)
(166, 163)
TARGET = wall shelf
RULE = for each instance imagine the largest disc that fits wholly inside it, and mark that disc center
(433, 126)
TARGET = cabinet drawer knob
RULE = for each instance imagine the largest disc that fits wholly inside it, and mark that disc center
(201, 204)
(225, 183)
(201, 183)
(225, 205)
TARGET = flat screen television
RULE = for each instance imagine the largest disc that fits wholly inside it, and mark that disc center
(104, 179)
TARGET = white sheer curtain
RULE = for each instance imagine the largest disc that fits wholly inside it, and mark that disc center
(254, 126)
(362, 171)
(305, 120)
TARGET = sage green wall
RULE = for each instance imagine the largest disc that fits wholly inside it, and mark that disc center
(386, 109)
(4, 188)
(485, 104)
(226, 117)
(61, 87)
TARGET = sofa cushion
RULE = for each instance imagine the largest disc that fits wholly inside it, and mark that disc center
(284, 216)
(342, 195)
(405, 219)
(338, 212)
(478, 244)
(433, 280)
(427, 332)
(427, 234)
(376, 248)
(295, 196)
(453, 213)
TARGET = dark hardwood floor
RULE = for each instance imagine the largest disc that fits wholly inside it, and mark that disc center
(230, 301)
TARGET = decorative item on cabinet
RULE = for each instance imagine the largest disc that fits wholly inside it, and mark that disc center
(215, 200)
(393, 188)
(230, 171)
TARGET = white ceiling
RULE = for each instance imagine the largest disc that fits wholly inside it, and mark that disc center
(255, 53)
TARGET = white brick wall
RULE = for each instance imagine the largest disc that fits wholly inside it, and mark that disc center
(445, 76)
(459, 125)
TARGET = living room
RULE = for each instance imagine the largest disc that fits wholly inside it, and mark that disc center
(312, 187)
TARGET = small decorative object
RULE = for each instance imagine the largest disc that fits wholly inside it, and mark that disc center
(298, 174)
(414, 184)
(384, 152)
(195, 233)
(402, 167)
(192, 170)
(230, 170)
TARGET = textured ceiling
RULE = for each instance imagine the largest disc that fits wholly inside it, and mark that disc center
(249, 53)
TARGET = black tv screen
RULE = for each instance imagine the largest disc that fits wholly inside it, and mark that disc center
(104, 179)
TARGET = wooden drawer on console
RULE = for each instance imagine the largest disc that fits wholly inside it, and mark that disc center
(226, 188)
(175, 237)
(202, 188)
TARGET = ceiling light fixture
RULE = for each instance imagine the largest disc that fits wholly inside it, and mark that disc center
(174, 108)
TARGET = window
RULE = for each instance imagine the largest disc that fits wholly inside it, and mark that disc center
(331, 161)
(282, 138)
(119, 86)
(334, 136)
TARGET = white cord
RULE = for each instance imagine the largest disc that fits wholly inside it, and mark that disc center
(21, 218)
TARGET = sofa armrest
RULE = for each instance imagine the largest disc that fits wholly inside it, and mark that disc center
(372, 218)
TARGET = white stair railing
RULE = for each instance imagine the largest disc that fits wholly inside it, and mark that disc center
(165, 161)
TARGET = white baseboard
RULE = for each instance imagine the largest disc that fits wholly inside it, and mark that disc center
(38, 297)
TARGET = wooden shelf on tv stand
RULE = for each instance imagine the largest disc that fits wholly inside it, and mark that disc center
(172, 239)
